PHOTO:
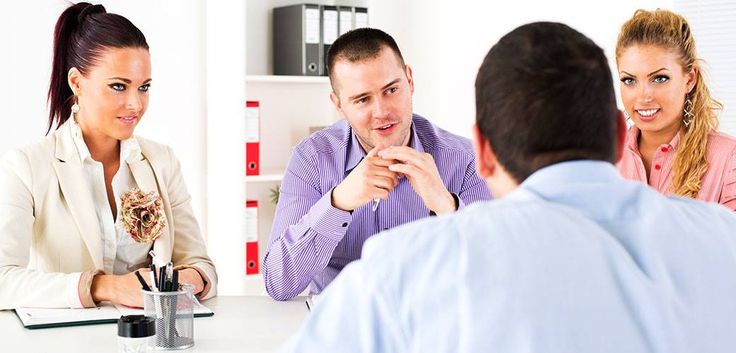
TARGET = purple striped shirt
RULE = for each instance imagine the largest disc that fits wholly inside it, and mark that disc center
(311, 241)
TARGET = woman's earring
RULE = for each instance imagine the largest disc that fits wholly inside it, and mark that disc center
(687, 113)
(628, 117)
(75, 106)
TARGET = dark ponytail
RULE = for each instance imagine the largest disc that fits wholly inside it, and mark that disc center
(82, 33)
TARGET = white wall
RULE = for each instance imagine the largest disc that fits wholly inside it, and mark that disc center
(446, 41)
(25, 66)
(176, 114)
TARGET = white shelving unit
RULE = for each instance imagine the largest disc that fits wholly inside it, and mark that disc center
(286, 79)
(264, 177)
(290, 106)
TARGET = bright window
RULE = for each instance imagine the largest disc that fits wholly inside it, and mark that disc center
(713, 23)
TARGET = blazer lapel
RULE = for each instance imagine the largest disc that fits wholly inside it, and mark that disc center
(145, 178)
(74, 187)
(143, 174)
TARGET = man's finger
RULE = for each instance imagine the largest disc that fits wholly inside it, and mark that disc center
(381, 162)
(374, 152)
(384, 183)
(403, 154)
(383, 172)
(379, 193)
(408, 170)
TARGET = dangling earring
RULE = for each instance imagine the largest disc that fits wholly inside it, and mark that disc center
(75, 106)
(628, 117)
(687, 113)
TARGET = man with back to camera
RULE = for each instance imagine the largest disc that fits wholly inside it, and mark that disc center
(571, 258)
(379, 167)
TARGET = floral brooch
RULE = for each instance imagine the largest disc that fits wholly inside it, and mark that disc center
(142, 215)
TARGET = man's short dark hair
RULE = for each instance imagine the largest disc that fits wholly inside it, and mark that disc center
(358, 45)
(544, 94)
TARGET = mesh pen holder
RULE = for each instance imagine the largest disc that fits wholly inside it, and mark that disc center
(173, 312)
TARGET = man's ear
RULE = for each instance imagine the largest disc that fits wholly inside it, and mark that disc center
(409, 77)
(74, 78)
(336, 102)
(621, 130)
(485, 159)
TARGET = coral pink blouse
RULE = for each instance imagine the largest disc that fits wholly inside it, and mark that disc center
(719, 181)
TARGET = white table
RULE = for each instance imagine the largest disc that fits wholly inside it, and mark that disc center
(241, 324)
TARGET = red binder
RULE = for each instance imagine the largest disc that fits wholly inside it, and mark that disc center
(251, 251)
(252, 137)
(251, 237)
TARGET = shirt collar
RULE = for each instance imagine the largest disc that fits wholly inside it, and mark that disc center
(356, 153)
(595, 188)
(129, 148)
(632, 140)
(572, 172)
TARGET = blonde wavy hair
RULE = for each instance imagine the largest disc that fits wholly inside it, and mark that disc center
(671, 31)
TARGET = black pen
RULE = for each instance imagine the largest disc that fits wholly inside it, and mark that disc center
(175, 281)
(169, 275)
(153, 269)
(162, 279)
(143, 282)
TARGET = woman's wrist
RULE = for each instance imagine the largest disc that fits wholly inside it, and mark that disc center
(101, 289)
(195, 278)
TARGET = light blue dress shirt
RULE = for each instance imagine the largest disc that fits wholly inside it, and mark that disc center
(574, 260)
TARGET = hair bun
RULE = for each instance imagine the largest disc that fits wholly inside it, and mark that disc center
(90, 10)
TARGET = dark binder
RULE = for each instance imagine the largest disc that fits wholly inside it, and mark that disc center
(297, 48)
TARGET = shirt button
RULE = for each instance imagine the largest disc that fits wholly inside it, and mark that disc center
(657, 167)
(665, 149)
(344, 224)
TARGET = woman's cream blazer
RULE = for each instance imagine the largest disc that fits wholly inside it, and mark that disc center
(49, 232)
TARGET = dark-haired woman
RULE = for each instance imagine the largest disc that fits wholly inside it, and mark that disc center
(81, 209)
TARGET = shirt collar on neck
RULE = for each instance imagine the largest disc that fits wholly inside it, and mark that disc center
(129, 148)
(632, 139)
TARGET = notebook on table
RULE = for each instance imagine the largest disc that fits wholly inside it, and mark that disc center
(34, 318)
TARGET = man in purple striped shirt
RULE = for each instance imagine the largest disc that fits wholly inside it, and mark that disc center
(380, 167)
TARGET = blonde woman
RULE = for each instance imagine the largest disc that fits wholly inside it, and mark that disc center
(673, 145)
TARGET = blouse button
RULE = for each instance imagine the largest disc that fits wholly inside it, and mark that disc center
(657, 167)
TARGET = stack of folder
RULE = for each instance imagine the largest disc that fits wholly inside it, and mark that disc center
(302, 35)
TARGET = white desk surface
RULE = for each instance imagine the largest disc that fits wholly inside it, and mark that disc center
(252, 324)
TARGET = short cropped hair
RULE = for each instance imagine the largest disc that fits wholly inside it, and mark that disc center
(358, 45)
(544, 95)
